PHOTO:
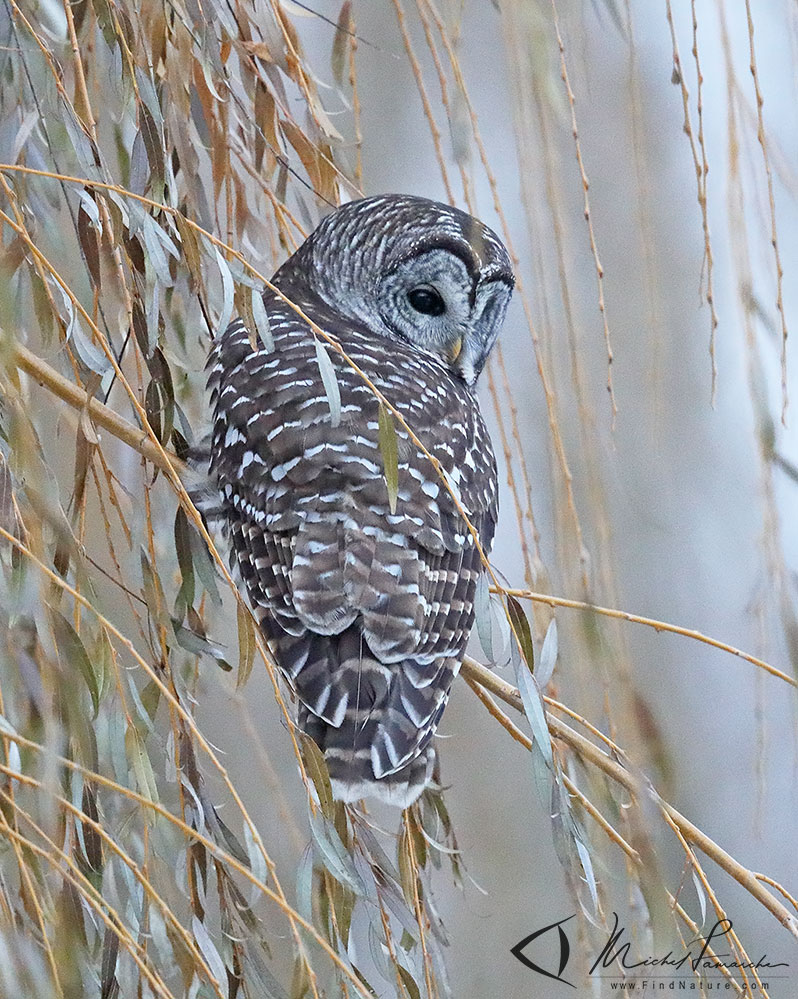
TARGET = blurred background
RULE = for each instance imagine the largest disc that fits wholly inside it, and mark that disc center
(639, 161)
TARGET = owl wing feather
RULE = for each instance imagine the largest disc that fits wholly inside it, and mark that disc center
(369, 611)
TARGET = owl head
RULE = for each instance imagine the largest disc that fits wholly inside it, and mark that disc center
(411, 269)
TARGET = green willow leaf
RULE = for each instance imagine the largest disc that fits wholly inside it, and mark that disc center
(261, 320)
(334, 854)
(587, 867)
(389, 448)
(184, 559)
(330, 381)
(316, 766)
(209, 951)
(72, 652)
(409, 982)
(228, 291)
(482, 616)
(535, 712)
(522, 631)
(341, 42)
(548, 655)
(140, 764)
(246, 647)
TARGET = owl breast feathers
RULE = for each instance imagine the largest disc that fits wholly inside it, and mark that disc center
(368, 610)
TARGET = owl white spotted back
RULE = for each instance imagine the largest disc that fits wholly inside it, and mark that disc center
(368, 610)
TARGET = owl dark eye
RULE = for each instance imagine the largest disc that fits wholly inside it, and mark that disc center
(427, 301)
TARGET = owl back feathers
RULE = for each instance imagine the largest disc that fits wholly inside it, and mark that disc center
(368, 611)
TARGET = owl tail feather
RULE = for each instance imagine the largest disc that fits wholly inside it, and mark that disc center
(374, 721)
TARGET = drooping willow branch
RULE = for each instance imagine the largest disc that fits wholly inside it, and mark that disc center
(588, 751)
(109, 420)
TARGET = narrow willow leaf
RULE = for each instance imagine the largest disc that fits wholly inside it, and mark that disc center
(8, 515)
(389, 449)
(702, 899)
(257, 862)
(93, 358)
(190, 243)
(139, 763)
(548, 656)
(300, 980)
(30, 119)
(198, 645)
(152, 409)
(145, 710)
(89, 244)
(124, 214)
(184, 559)
(139, 323)
(155, 253)
(209, 951)
(149, 96)
(260, 981)
(407, 875)
(150, 698)
(117, 728)
(483, 616)
(409, 982)
(504, 645)
(520, 626)
(84, 147)
(42, 307)
(109, 987)
(261, 320)
(334, 854)
(152, 142)
(394, 901)
(341, 42)
(377, 857)
(542, 777)
(232, 841)
(343, 903)
(139, 172)
(533, 707)
(246, 646)
(304, 884)
(563, 842)
(89, 206)
(103, 660)
(281, 187)
(587, 867)
(307, 152)
(14, 759)
(316, 766)
(164, 238)
(205, 568)
(92, 844)
(6, 728)
(153, 591)
(72, 652)
(379, 953)
(228, 291)
(153, 315)
(330, 381)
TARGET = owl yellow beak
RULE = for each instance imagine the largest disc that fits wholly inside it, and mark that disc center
(454, 351)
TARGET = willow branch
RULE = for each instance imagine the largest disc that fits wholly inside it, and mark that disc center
(650, 622)
(135, 438)
(589, 752)
(102, 415)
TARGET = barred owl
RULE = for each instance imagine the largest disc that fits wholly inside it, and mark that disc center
(367, 603)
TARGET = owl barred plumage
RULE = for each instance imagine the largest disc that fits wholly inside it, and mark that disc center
(368, 611)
